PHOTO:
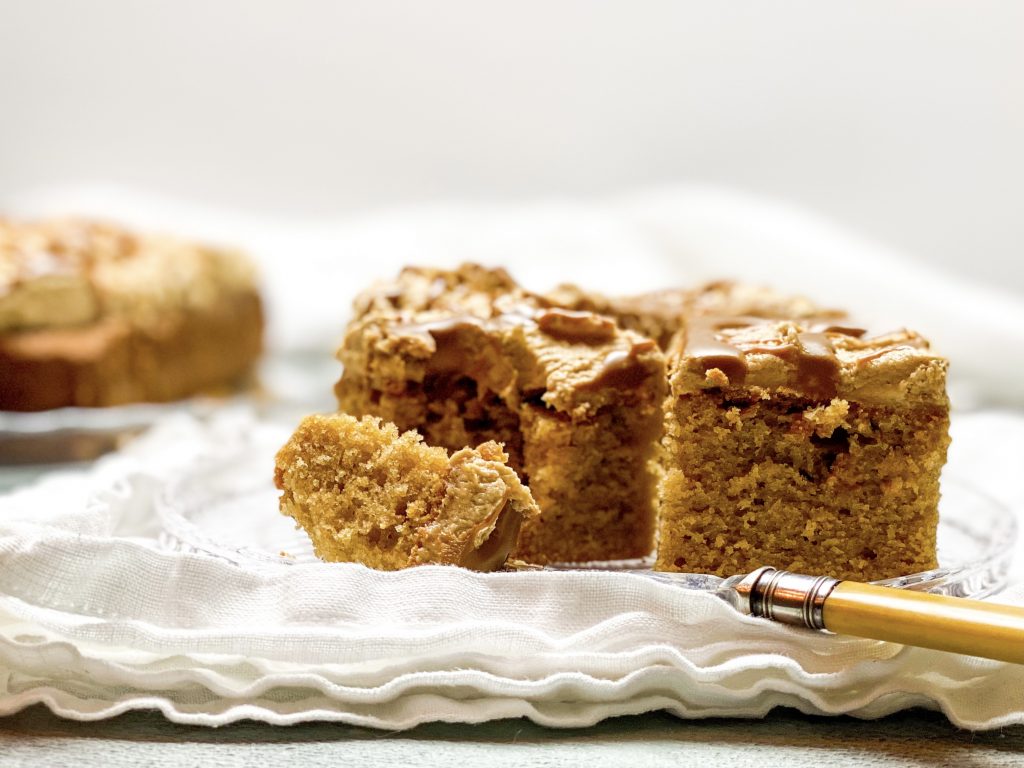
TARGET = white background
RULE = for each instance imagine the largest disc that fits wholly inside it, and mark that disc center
(903, 120)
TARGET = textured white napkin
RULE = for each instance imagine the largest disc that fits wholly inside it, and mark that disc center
(102, 611)
(103, 608)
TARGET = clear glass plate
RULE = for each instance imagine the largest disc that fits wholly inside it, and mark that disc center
(231, 512)
(43, 439)
(70, 435)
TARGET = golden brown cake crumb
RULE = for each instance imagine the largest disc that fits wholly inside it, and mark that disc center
(365, 493)
(813, 448)
(92, 315)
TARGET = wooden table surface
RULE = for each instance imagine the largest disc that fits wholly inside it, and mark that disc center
(785, 738)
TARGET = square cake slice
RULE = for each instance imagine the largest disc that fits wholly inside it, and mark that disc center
(365, 493)
(576, 401)
(813, 448)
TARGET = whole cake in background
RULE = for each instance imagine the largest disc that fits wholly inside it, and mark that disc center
(92, 315)
(722, 427)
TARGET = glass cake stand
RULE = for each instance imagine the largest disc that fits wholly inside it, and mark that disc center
(231, 512)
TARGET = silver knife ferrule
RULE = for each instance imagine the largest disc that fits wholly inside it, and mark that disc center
(789, 598)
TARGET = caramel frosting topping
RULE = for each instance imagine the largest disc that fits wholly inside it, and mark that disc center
(571, 356)
(623, 368)
(430, 329)
(661, 314)
(818, 359)
(810, 352)
(479, 519)
(489, 546)
(576, 327)
(435, 327)
(461, 343)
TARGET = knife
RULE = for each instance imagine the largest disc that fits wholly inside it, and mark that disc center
(944, 623)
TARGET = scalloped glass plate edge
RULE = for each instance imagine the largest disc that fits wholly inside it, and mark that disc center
(970, 520)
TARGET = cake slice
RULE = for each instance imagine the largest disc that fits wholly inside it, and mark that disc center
(575, 400)
(809, 447)
(365, 493)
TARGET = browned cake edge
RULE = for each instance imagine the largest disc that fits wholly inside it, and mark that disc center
(111, 362)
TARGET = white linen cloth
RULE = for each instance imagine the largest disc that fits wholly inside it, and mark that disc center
(98, 615)
(101, 611)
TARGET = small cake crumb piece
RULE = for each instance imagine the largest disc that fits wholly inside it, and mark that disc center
(828, 418)
(365, 493)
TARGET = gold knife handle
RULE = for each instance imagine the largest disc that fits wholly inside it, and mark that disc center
(944, 623)
(952, 624)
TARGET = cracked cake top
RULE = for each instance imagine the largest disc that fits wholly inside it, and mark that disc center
(478, 323)
(820, 360)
